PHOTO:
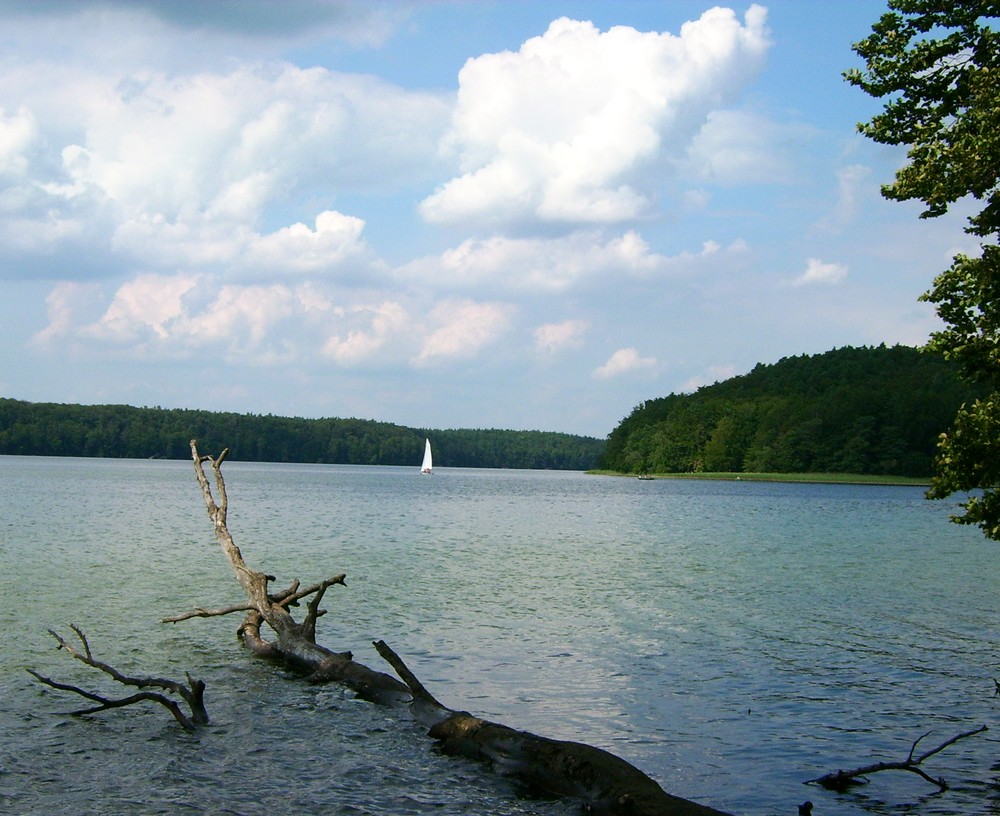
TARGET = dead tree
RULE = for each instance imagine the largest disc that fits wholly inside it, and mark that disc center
(193, 693)
(295, 643)
(842, 780)
(602, 781)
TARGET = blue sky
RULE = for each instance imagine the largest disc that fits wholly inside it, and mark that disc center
(528, 215)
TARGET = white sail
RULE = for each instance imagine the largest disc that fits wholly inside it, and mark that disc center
(427, 465)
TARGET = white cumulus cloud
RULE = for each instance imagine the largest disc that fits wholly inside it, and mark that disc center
(554, 337)
(818, 272)
(462, 328)
(163, 170)
(372, 328)
(622, 362)
(148, 304)
(300, 248)
(17, 130)
(560, 129)
(554, 265)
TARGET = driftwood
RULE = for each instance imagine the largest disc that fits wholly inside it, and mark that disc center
(193, 693)
(842, 780)
(295, 643)
(603, 782)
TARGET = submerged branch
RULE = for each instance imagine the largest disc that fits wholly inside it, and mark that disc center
(193, 693)
(841, 780)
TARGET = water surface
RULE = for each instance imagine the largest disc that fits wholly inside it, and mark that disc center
(732, 639)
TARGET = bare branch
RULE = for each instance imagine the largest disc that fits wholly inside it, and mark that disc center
(106, 703)
(420, 693)
(193, 693)
(841, 780)
(198, 612)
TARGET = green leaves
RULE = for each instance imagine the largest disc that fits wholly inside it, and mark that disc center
(938, 62)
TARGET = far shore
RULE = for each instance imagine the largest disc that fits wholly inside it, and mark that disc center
(813, 478)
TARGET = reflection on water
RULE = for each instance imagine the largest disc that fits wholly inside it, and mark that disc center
(731, 639)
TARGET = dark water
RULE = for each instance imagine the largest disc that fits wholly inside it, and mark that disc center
(731, 639)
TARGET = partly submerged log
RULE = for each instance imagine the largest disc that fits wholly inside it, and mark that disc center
(603, 782)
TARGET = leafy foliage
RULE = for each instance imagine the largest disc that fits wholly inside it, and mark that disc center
(851, 410)
(122, 431)
(938, 64)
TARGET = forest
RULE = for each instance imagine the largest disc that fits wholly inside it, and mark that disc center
(865, 410)
(868, 410)
(123, 431)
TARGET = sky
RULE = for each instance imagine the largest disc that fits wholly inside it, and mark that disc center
(532, 214)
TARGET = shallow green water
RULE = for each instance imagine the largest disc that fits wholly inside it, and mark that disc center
(731, 639)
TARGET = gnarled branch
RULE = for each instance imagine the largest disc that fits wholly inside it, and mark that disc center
(192, 693)
(842, 780)
(294, 643)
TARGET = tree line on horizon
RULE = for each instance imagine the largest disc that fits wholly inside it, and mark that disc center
(864, 410)
(127, 432)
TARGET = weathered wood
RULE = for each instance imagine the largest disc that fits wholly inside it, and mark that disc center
(295, 643)
(193, 693)
(842, 780)
(604, 782)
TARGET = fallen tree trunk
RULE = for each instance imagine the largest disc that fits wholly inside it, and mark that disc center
(604, 782)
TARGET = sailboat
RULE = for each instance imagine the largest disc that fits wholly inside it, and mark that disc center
(427, 466)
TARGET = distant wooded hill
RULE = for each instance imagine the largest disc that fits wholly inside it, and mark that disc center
(122, 431)
(852, 410)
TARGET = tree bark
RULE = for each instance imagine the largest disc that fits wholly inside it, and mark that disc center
(604, 782)
(295, 643)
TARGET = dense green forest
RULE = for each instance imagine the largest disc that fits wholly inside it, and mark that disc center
(870, 410)
(122, 431)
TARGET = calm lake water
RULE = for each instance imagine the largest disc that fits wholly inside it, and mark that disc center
(732, 639)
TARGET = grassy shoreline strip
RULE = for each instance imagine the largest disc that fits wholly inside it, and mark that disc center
(810, 478)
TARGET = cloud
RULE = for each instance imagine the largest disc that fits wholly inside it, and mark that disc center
(851, 185)
(554, 337)
(622, 362)
(560, 129)
(379, 325)
(336, 238)
(17, 131)
(167, 170)
(361, 21)
(149, 304)
(463, 328)
(64, 305)
(555, 265)
(739, 147)
(818, 272)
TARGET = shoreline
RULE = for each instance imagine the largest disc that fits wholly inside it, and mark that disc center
(808, 478)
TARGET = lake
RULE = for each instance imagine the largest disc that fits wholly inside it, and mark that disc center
(731, 639)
